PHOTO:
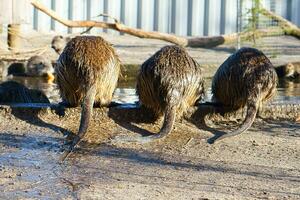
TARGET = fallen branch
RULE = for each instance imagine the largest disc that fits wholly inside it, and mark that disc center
(209, 41)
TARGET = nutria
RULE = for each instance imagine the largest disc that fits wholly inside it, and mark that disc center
(36, 66)
(16, 69)
(13, 92)
(58, 43)
(169, 83)
(39, 66)
(289, 70)
(87, 73)
(246, 78)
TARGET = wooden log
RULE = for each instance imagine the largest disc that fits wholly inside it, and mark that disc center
(13, 36)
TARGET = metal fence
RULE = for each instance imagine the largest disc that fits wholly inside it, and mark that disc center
(182, 17)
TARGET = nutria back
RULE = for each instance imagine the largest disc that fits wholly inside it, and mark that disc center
(169, 82)
(87, 74)
(246, 78)
(241, 75)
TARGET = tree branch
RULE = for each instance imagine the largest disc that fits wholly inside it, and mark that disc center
(288, 27)
(209, 41)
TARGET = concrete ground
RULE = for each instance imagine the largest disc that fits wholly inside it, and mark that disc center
(262, 163)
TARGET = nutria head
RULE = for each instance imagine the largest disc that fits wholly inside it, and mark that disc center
(39, 66)
(289, 70)
(58, 43)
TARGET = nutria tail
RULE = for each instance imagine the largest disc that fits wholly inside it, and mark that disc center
(252, 107)
(86, 113)
(169, 119)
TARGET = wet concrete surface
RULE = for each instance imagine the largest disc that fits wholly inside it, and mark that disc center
(262, 163)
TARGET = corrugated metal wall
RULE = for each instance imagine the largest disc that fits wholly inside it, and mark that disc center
(182, 17)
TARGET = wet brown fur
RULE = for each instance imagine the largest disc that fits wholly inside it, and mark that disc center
(87, 74)
(169, 83)
(87, 61)
(246, 78)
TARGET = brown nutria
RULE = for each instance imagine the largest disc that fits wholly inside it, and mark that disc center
(169, 83)
(87, 73)
(246, 78)
(16, 69)
(13, 92)
(290, 70)
(40, 66)
(59, 42)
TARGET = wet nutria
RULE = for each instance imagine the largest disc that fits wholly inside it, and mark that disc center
(36, 66)
(290, 70)
(59, 42)
(87, 73)
(246, 78)
(16, 69)
(169, 83)
(13, 92)
(39, 66)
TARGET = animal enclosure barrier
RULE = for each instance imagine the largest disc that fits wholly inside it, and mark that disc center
(181, 17)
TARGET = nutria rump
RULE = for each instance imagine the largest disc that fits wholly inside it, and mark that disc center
(246, 78)
(87, 73)
(169, 82)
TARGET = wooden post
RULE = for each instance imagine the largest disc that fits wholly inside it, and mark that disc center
(13, 36)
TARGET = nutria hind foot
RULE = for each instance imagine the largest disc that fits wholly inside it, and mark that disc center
(71, 148)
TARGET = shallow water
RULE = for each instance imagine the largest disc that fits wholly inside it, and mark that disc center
(288, 90)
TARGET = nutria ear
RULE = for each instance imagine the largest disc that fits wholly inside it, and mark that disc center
(61, 37)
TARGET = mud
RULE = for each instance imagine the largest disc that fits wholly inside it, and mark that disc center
(262, 163)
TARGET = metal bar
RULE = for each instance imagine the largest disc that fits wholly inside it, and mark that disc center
(223, 16)
(139, 13)
(190, 17)
(156, 15)
(70, 13)
(173, 16)
(289, 10)
(53, 7)
(206, 17)
(239, 22)
(35, 19)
